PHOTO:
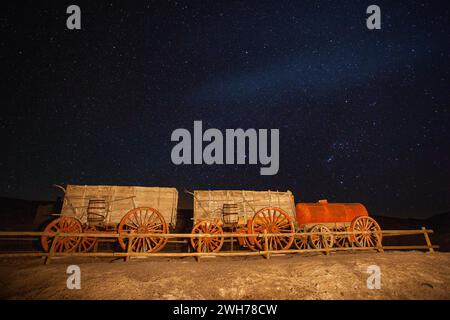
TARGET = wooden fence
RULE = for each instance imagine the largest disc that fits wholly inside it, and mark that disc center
(266, 253)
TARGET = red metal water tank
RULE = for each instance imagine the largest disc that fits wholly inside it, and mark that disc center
(324, 212)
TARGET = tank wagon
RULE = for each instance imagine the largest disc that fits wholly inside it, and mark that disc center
(324, 218)
(136, 210)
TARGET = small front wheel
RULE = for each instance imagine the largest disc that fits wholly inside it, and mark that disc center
(321, 238)
(207, 244)
(62, 225)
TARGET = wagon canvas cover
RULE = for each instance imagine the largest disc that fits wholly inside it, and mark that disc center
(208, 204)
(120, 200)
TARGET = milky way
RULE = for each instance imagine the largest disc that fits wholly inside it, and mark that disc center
(363, 115)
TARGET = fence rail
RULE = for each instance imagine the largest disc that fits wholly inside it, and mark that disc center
(24, 235)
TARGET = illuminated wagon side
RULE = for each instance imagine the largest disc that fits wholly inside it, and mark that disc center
(243, 211)
(111, 209)
(324, 218)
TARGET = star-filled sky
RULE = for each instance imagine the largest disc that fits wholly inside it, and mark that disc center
(363, 114)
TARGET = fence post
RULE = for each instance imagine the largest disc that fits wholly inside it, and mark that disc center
(379, 244)
(130, 245)
(427, 239)
(350, 239)
(52, 249)
(199, 248)
(266, 245)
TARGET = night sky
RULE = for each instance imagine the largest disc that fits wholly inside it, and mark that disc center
(363, 115)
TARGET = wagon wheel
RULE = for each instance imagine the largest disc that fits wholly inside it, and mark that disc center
(62, 225)
(213, 244)
(321, 241)
(301, 242)
(250, 242)
(238, 230)
(370, 229)
(272, 220)
(251, 245)
(342, 240)
(143, 220)
(87, 243)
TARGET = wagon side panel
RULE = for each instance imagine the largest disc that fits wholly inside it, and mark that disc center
(119, 200)
(208, 204)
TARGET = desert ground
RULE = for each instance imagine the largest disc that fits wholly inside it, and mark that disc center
(404, 275)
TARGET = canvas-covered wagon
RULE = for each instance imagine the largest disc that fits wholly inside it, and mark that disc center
(323, 219)
(243, 211)
(122, 209)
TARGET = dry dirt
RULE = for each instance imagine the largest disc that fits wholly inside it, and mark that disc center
(405, 275)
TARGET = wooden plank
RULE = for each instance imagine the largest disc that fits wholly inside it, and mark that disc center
(266, 245)
(190, 235)
(199, 249)
(201, 254)
(129, 247)
(427, 239)
(379, 244)
(51, 251)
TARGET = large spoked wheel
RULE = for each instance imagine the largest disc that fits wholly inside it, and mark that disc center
(143, 220)
(342, 240)
(272, 220)
(301, 241)
(250, 242)
(87, 243)
(323, 240)
(210, 244)
(62, 225)
(366, 231)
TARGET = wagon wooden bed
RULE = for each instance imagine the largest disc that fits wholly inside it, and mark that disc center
(243, 211)
(122, 209)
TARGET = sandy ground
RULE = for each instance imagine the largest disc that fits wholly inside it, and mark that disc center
(405, 275)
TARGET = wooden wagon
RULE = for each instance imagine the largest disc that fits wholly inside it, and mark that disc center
(243, 211)
(122, 209)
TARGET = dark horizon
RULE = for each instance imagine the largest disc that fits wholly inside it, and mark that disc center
(362, 114)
